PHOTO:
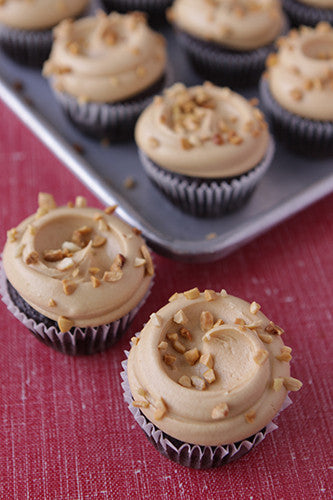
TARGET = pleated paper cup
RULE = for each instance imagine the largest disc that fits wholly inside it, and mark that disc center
(301, 14)
(30, 48)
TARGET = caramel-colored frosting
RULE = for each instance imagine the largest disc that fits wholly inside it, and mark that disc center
(38, 14)
(106, 58)
(77, 265)
(209, 368)
(204, 131)
(235, 24)
(300, 75)
(322, 4)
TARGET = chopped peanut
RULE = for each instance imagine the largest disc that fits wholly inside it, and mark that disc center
(192, 356)
(185, 381)
(206, 321)
(207, 360)
(209, 376)
(292, 384)
(220, 411)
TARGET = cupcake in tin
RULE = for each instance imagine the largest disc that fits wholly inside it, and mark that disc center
(75, 276)
(104, 69)
(206, 376)
(308, 12)
(155, 9)
(26, 27)
(205, 147)
(297, 91)
(227, 40)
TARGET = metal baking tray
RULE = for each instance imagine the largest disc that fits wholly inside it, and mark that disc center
(291, 184)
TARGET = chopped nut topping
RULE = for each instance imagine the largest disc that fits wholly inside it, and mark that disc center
(198, 383)
(185, 381)
(98, 241)
(267, 339)
(81, 236)
(260, 357)
(80, 202)
(102, 225)
(52, 303)
(140, 404)
(129, 183)
(210, 295)
(254, 307)
(136, 231)
(274, 329)
(32, 258)
(41, 211)
(160, 409)
(292, 384)
(219, 322)
(284, 354)
(223, 293)
(184, 332)
(135, 340)
(94, 270)
(149, 263)
(209, 376)
(156, 320)
(139, 262)
(250, 416)
(98, 216)
(53, 255)
(32, 229)
(46, 200)
(277, 384)
(65, 264)
(169, 359)
(114, 275)
(69, 246)
(220, 411)
(192, 294)
(65, 324)
(111, 209)
(207, 360)
(185, 143)
(271, 60)
(179, 347)
(68, 287)
(95, 281)
(180, 317)
(75, 272)
(296, 94)
(153, 143)
(192, 356)
(206, 321)
(239, 321)
(162, 345)
(173, 297)
(142, 392)
(172, 336)
(73, 47)
(210, 236)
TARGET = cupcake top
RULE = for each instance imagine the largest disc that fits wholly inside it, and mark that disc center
(204, 131)
(106, 58)
(38, 14)
(322, 4)
(300, 75)
(209, 368)
(76, 265)
(235, 24)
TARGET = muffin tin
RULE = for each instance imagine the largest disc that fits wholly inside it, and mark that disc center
(291, 183)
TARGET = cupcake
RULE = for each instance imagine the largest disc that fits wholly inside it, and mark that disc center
(206, 376)
(75, 276)
(228, 40)
(297, 91)
(26, 27)
(104, 69)
(155, 9)
(309, 12)
(205, 147)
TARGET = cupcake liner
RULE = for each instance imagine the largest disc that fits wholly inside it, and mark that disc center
(226, 67)
(190, 455)
(89, 340)
(299, 13)
(114, 121)
(302, 135)
(155, 8)
(207, 197)
(30, 48)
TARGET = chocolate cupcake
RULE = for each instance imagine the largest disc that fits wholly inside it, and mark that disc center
(308, 12)
(75, 276)
(26, 27)
(155, 9)
(205, 147)
(104, 69)
(228, 41)
(206, 376)
(297, 90)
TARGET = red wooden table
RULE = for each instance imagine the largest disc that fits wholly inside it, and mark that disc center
(65, 432)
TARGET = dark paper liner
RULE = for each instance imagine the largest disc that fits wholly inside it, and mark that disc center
(114, 121)
(30, 48)
(187, 454)
(77, 341)
(207, 197)
(223, 66)
(302, 135)
(154, 8)
(300, 14)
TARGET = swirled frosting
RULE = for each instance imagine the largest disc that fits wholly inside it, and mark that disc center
(38, 14)
(209, 368)
(235, 24)
(204, 131)
(77, 265)
(300, 75)
(322, 4)
(106, 58)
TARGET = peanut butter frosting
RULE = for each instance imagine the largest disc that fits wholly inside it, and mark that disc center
(38, 14)
(300, 75)
(235, 24)
(77, 265)
(209, 368)
(205, 131)
(322, 4)
(106, 58)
